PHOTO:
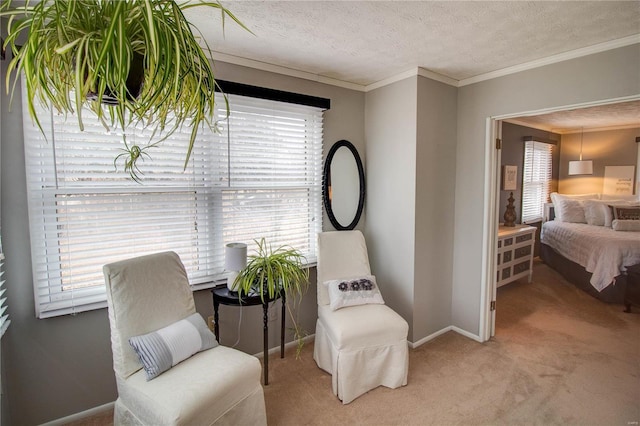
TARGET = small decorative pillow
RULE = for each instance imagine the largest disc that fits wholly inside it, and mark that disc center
(608, 213)
(626, 212)
(626, 225)
(353, 291)
(160, 350)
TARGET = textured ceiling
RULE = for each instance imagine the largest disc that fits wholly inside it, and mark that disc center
(624, 114)
(365, 42)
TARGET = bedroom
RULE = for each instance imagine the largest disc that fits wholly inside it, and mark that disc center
(605, 135)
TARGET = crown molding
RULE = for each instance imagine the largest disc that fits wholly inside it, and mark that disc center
(264, 66)
(597, 129)
(547, 128)
(411, 73)
(577, 53)
(572, 54)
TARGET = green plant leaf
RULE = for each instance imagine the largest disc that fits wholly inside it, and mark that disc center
(85, 47)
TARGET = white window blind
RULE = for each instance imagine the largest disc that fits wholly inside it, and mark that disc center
(259, 177)
(536, 181)
(275, 181)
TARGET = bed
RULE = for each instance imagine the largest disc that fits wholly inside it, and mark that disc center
(594, 258)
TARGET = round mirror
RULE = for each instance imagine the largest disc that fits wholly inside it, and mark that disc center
(343, 186)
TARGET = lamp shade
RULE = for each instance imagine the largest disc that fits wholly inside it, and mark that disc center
(235, 256)
(582, 167)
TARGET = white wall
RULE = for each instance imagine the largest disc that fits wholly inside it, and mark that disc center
(606, 75)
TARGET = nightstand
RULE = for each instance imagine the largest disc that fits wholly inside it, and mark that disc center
(515, 253)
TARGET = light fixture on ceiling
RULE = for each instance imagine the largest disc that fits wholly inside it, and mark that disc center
(581, 167)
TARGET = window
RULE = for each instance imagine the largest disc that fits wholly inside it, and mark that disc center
(536, 181)
(260, 176)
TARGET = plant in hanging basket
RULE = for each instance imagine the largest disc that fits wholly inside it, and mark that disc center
(128, 61)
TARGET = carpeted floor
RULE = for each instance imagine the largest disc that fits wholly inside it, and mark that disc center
(559, 357)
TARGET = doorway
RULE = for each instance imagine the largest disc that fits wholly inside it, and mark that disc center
(493, 156)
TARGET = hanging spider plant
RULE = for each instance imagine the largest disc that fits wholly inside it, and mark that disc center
(128, 61)
(271, 272)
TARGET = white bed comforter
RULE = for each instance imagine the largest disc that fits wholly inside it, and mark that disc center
(600, 250)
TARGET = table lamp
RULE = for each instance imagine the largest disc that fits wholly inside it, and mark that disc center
(235, 260)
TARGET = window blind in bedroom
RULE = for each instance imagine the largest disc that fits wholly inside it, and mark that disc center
(536, 180)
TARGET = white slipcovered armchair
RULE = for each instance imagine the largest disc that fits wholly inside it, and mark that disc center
(218, 385)
(362, 346)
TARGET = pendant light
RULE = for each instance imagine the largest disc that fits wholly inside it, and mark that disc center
(581, 167)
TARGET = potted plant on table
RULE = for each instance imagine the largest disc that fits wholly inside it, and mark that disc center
(272, 272)
(128, 61)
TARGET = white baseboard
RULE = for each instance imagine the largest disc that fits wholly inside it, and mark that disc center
(109, 406)
(466, 334)
(81, 415)
(432, 336)
(276, 349)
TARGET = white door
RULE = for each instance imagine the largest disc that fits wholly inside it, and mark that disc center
(497, 128)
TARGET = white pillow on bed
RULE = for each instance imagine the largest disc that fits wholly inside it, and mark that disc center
(609, 215)
(626, 225)
(595, 212)
(569, 208)
(599, 212)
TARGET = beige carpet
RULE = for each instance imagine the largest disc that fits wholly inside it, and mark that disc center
(559, 357)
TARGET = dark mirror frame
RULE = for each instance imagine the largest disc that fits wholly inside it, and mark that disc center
(326, 184)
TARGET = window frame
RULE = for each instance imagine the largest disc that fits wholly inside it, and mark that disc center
(542, 180)
(212, 188)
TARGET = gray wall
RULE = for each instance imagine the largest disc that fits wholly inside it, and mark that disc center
(604, 148)
(61, 366)
(390, 124)
(607, 75)
(410, 132)
(435, 192)
(513, 155)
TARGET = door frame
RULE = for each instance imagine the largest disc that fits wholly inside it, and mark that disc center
(491, 200)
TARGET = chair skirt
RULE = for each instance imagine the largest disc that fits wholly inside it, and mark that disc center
(359, 357)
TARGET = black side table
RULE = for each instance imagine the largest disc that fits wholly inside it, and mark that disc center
(226, 297)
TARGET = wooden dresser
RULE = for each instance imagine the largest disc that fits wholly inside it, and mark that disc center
(515, 253)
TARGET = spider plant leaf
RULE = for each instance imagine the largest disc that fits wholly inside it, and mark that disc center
(64, 49)
(81, 46)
